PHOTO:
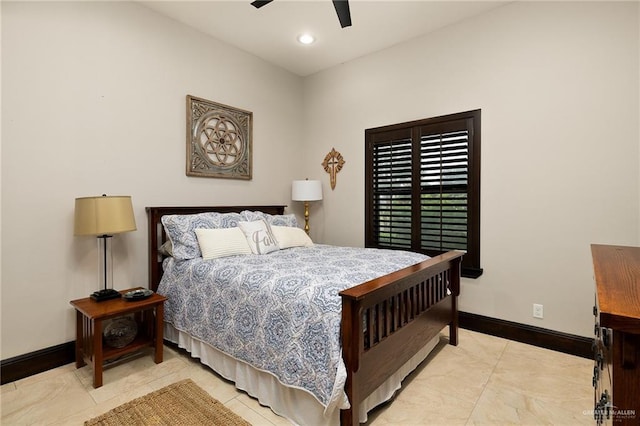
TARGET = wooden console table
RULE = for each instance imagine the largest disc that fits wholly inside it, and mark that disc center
(616, 373)
(90, 316)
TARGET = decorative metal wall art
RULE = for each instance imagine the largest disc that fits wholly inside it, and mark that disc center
(332, 164)
(219, 140)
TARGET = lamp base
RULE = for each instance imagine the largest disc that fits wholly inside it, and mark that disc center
(105, 294)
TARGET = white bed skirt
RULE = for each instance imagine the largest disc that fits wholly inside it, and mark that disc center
(296, 405)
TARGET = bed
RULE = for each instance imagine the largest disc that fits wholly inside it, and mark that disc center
(385, 325)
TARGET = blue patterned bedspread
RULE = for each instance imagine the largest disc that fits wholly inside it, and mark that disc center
(278, 312)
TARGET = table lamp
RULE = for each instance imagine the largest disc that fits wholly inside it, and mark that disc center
(103, 217)
(306, 190)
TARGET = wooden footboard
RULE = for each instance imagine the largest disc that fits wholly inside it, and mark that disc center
(388, 320)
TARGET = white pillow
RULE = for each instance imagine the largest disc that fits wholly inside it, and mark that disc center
(222, 242)
(259, 236)
(166, 249)
(288, 236)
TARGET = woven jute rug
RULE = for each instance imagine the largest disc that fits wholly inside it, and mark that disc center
(182, 403)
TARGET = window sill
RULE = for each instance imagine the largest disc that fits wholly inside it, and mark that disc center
(471, 272)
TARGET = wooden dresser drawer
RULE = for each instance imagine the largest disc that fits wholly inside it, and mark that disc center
(616, 371)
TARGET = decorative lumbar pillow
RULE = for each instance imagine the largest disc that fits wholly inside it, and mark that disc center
(288, 236)
(223, 242)
(259, 236)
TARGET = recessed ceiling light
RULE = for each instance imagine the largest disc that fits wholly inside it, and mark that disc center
(306, 38)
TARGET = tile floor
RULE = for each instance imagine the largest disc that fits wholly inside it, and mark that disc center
(484, 380)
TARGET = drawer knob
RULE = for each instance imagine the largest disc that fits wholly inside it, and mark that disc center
(600, 360)
(605, 337)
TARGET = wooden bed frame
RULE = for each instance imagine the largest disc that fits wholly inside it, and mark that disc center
(385, 321)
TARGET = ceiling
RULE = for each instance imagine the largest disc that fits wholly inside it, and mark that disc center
(271, 31)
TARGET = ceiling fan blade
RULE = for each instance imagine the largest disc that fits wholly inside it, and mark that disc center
(259, 3)
(342, 9)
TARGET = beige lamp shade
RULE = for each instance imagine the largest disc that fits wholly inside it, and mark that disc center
(306, 190)
(105, 215)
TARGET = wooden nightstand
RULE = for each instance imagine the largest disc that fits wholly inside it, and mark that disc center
(90, 315)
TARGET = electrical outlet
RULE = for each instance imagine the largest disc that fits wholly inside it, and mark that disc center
(537, 311)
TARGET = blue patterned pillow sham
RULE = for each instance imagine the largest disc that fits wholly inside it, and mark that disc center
(181, 230)
(274, 220)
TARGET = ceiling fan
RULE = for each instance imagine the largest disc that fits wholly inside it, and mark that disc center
(342, 9)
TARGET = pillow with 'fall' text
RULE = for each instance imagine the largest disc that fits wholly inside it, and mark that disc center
(259, 236)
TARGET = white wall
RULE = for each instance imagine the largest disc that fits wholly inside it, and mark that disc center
(558, 85)
(0, 180)
(93, 98)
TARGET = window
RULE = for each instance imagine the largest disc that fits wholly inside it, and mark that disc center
(423, 187)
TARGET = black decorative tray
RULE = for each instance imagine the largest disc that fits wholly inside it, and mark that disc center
(137, 294)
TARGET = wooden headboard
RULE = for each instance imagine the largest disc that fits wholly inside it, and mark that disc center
(157, 236)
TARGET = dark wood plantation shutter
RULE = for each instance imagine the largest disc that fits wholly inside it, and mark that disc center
(423, 187)
(391, 161)
(444, 167)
